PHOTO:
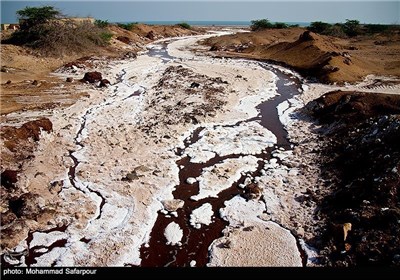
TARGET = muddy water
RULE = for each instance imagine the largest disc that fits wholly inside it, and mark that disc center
(195, 242)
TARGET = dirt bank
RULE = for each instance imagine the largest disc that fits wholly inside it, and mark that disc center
(361, 154)
(329, 59)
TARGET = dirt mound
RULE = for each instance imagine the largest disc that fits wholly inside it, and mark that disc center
(362, 163)
(255, 39)
(327, 58)
(17, 140)
(350, 106)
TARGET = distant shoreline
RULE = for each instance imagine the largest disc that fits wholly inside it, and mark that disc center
(211, 23)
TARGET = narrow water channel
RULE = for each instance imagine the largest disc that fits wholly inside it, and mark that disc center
(195, 242)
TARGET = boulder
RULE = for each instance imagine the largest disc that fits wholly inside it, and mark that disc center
(92, 77)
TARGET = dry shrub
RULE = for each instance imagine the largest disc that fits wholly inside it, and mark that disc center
(60, 38)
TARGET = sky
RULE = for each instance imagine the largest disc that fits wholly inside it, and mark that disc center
(367, 11)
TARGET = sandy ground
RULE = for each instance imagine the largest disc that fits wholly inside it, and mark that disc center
(124, 138)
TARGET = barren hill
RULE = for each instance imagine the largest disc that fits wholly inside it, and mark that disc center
(327, 58)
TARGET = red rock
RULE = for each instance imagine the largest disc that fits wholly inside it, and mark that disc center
(104, 83)
(9, 178)
(92, 77)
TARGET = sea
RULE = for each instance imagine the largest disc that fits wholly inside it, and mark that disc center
(214, 23)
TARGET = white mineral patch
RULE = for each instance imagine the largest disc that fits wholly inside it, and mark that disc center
(173, 233)
(215, 179)
(311, 253)
(246, 138)
(258, 244)
(201, 216)
(237, 210)
(49, 258)
(46, 239)
(191, 180)
(286, 110)
(281, 154)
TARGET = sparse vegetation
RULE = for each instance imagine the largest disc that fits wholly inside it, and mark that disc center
(280, 25)
(260, 24)
(50, 35)
(265, 23)
(185, 25)
(350, 28)
(319, 27)
(128, 26)
(101, 23)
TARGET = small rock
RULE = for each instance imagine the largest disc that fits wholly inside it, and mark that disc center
(173, 204)
(194, 85)
(252, 191)
(130, 55)
(300, 231)
(192, 263)
(35, 83)
(191, 180)
(8, 82)
(104, 83)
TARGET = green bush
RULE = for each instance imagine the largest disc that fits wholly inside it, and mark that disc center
(101, 23)
(319, 27)
(106, 37)
(32, 16)
(280, 25)
(265, 23)
(184, 25)
(352, 27)
(128, 26)
(260, 24)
